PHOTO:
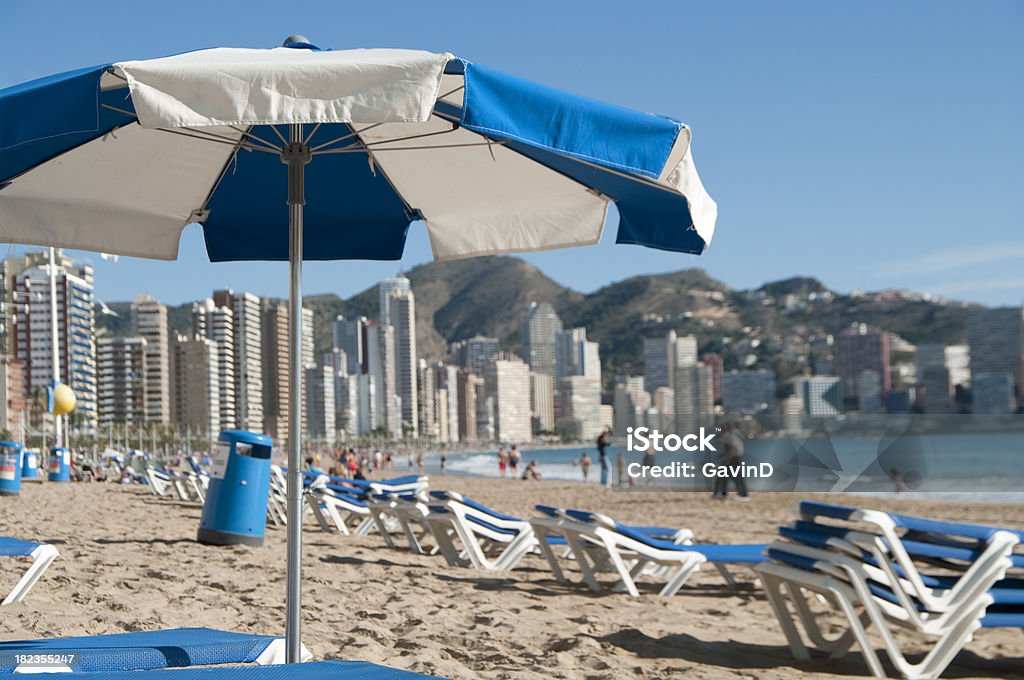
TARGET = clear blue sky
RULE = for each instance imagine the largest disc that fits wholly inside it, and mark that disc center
(870, 144)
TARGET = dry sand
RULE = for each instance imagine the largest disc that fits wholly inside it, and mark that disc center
(129, 562)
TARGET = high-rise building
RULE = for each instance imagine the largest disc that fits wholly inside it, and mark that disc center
(569, 347)
(319, 388)
(869, 392)
(717, 369)
(540, 327)
(662, 356)
(861, 348)
(996, 338)
(217, 323)
(403, 320)
(820, 395)
(369, 417)
(149, 321)
(32, 337)
(381, 364)
(578, 407)
(993, 393)
(427, 400)
(122, 380)
(450, 382)
(542, 402)
(13, 405)
(469, 385)
(694, 398)
(933, 380)
(276, 369)
(195, 385)
(748, 391)
(630, 403)
(386, 290)
(508, 382)
(479, 352)
(248, 347)
(958, 361)
(350, 335)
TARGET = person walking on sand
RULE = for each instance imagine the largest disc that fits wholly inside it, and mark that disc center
(502, 461)
(603, 441)
(585, 465)
(731, 455)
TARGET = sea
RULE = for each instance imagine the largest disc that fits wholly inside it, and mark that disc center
(986, 467)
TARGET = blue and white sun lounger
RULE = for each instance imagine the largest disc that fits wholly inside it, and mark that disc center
(406, 513)
(490, 540)
(338, 510)
(42, 555)
(314, 670)
(600, 543)
(146, 650)
(941, 581)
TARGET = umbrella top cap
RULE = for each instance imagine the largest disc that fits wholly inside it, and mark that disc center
(299, 41)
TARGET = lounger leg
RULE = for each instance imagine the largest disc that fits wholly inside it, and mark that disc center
(730, 580)
(549, 555)
(686, 569)
(42, 557)
(773, 589)
(581, 559)
(620, 567)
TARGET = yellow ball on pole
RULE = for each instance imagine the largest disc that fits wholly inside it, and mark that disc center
(63, 400)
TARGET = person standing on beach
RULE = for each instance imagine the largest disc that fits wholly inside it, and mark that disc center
(731, 455)
(603, 440)
(585, 465)
(513, 461)
(502, 461)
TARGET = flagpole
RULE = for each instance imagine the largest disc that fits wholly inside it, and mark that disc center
(58, 435)
(295, 155)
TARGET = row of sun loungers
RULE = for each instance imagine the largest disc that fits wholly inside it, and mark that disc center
(879, 572)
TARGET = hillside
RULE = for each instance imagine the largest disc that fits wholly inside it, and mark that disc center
(488, 296)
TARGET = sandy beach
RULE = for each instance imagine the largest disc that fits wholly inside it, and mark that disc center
(129, 562)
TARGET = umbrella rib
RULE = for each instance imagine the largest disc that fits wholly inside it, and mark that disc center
(256, 138)
(405, 139)
(343, 137)
(353, 148)
(210, 137)
(279, 135)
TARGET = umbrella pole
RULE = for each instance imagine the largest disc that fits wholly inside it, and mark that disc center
(296, 155)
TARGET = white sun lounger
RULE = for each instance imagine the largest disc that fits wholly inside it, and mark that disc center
(404, 514)
(337, 510)
(597, 540)
(42, 555)
(941, 581)
(490, 540)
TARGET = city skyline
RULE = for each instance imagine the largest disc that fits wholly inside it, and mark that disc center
(230, 369)
(786, 119)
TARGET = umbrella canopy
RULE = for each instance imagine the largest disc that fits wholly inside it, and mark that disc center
(119, 158)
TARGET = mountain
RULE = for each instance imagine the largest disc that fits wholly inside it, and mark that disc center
(488, 296)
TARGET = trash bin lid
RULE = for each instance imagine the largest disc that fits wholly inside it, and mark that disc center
(245, 437)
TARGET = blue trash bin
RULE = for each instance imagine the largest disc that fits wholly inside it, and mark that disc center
(10, 468)
(60, 465)
(235, 510)
(30, 466)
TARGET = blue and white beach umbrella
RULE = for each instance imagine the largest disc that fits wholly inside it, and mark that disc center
(297, 151)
